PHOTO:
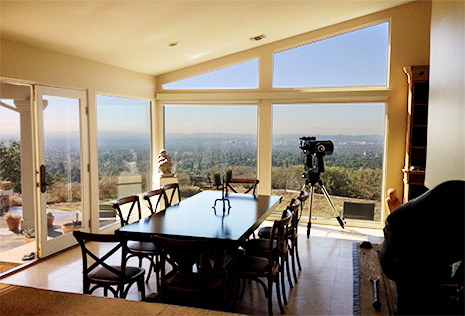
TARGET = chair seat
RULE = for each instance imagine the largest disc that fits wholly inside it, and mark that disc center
(142, 247)
(101, 274)
(260, 247)
(252, 265)
(265, 232)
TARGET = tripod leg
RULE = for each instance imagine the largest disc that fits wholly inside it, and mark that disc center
(331, 203)
(310, 205)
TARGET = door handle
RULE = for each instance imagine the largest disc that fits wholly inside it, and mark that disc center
(43, 183)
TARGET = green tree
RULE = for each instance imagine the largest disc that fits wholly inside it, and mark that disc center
(336, 181)
(10, 164)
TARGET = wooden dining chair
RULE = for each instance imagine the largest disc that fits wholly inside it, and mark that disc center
(293, 236)
(252, 267)
(250, 185)
(139, 249)
(294, 251)
(104, 275)
(157, 196)
(192, 280)
(258, 247)
(171, 190)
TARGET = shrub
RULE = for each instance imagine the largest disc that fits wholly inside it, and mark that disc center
(62, 191)
(189, 190)
(16, 199)
(107, 187)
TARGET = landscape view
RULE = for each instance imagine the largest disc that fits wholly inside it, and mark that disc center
(353, 171)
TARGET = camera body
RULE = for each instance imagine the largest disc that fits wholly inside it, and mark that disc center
(311, 146)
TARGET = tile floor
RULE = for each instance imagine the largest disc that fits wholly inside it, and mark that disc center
(324, 287)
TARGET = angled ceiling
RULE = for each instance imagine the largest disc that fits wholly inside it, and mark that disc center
(135, 35)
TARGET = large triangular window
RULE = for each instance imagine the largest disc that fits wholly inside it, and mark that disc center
(240, 76)
(357, 58)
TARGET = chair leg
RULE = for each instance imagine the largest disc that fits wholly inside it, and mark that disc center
(278, 295)
(281, 275)
(150, 268)
(243, 289)
(297, 253)
(236, 296)
(288, 272)
(293, 264)
(141, 286)
(157, 269)
(270, 294)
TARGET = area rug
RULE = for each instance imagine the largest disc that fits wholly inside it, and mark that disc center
(21, 300)
(5, 266)
(366, 265)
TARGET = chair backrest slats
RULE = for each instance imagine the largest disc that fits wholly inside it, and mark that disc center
(253, 183)
(134, 199)
(121, 241)
(277, 236)
(175, 189)
(157, 194)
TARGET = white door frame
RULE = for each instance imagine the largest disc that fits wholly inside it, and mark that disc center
(50, 246)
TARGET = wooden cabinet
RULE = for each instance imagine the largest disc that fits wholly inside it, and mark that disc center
(417, 126)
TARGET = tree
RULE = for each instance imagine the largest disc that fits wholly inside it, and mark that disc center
(10, 164)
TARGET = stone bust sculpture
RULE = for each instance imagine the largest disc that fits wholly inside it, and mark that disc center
(392, 200)
(164, 164)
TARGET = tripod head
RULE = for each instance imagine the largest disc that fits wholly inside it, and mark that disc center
(314, 166)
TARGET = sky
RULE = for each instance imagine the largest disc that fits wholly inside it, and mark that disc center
(356, 58)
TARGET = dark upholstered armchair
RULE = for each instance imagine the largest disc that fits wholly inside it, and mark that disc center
(424, 243)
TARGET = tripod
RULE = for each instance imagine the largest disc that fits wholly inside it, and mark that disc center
(313, 178)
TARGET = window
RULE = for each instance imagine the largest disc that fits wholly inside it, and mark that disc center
(203, 140)
(124, 151)
(241, 76)
(357, 58)
(352, 173)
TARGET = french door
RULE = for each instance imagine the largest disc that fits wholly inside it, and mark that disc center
(63, 170)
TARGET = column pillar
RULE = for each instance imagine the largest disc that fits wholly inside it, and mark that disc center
(27, 162)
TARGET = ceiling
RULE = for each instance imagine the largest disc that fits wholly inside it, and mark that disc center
(135, 35)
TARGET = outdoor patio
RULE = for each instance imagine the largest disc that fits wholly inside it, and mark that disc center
(13, 245)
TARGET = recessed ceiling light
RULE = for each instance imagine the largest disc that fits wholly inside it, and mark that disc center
(173, 44)
(257, 38)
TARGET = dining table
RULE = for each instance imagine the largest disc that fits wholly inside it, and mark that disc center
(211, 215)
(224, 221)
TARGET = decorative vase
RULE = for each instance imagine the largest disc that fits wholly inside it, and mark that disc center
(50, 221)
(13, 223)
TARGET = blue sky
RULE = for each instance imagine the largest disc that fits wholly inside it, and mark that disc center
(355, 58)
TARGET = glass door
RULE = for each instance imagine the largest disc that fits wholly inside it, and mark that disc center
(63, 167)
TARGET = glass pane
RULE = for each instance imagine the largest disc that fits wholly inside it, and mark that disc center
(353, 172)
(124, 149)
(16, 214)
(62, 163)
(241, 76)
(203, 140)
(358, 58)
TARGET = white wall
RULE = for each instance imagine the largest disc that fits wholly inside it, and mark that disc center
(30, 64)
(446, 113)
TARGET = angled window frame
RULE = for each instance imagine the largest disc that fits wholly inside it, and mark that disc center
(205, 72)
(327, 36)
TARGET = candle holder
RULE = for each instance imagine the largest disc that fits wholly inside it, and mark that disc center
(223, 185)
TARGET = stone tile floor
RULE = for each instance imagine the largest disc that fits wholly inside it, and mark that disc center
(324, 287)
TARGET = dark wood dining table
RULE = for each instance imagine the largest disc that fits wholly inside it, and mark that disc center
(195, 217)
